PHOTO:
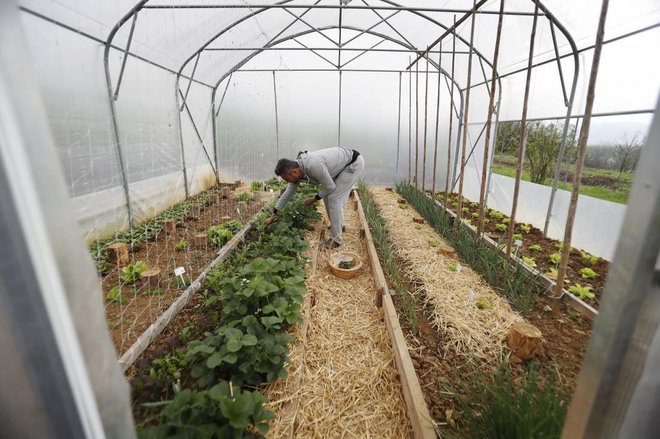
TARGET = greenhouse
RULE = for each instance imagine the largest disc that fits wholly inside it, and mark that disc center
(330, 218)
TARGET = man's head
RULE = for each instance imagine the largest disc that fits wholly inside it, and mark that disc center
(289, 170)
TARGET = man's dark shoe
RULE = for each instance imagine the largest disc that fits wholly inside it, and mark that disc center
(343, 228)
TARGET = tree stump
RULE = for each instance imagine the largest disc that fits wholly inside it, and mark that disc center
(215, 199)
(389, 189)
(224, 192)
(201, 240)
(523, 339)
(118, 253)
(169, 225)
(151, 278)
(401, 201)
(418, 220)
(446, 250)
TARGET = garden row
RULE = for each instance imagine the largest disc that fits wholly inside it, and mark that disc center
(138, 279)
(467, 394)
(586, 273)
(204, 381)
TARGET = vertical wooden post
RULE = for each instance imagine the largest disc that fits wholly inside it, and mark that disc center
(416, 121)
(489, 119)
(426, 113)
(523, 135)
(451, 115)
(459, 212)
(437, 122)
(409, 125)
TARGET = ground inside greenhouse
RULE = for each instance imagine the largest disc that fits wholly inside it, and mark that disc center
(440, 371)
(143, 306)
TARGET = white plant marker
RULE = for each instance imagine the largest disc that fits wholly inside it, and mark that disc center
(179, 271)
(472, 295)
(458, 268)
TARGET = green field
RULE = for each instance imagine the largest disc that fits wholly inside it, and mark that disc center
(505, 165)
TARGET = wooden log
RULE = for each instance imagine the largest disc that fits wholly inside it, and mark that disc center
(151, 278)
(169, 225)
(523, 339)
(201, 240)
(446, 250)
(215, 199)
(401, 201)
(389, 189)
(418, 220)
(118, 253)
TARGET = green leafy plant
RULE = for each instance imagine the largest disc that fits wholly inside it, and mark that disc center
(256, 186)
(475, 215)
(483, 303)
(525, 228)
(220, 235)
(465, 209)
(181, 245)
(242, 197)
(454, 205)
(588, 273)
(552, 274)
(593, 260)
(535, 248)
(506, 220)
(559, 245)
(452, 266)
(500, 227)
(517, 237)
(114, 295)
(403, 206)
(131, 273)
(154, 292)
(583, 292)
(555, 258)
(529, 261)
(433, 243)
(496, 215)
(346, 265)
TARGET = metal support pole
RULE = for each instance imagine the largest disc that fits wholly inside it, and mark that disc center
(339, 115)
(180, 128)
(426, 113)
(123, 61)
(523, 136)
(451, 115)
(398, 132)
(224, 93)
(437, 124)
(192, 75)
(491, 109)
(410, 126)
(582, 150)
(416, 123)
(199, 137)
(215, 136)
(277, 119)
(466, 113)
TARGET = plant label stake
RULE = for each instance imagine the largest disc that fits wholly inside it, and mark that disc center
(179, 271)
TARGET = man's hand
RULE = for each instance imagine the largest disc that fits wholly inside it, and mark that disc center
(270, 220)
(310, 201)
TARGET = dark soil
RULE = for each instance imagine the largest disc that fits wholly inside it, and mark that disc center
(594, 180)
(542, 257)
(142, 305)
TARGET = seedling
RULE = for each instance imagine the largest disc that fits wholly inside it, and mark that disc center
(346, 265)
(582, 292)
(454, 205)
(475, 215)
(403, 206)
(256, 186)
(529, 261)
(552, 274)
(535, 248)
(452, 266)
(242, 197)
(483, 304)
(181, 245)
(131, 273)
(500, 227)
(593, 260)
(555, 258)
(559, 245)
(418, 227)
(114, 295)
(588, 273)
(525, 228)
(506, 220)
(433, 243)
(465, 209)
(517, 237)
(496, 215)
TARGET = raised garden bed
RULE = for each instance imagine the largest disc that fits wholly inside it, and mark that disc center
(140, 285)
(586, 274)
(453, 385)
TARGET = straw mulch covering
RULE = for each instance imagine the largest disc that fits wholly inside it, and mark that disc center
(451, 296)
(343, 381)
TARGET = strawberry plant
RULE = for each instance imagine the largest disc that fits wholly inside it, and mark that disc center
(582, 292)
(535, 248)
(131, 273)
(588, 273)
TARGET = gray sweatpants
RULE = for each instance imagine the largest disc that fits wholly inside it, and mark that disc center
(335, 203)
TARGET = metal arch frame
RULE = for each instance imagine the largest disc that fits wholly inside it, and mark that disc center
(316, 30)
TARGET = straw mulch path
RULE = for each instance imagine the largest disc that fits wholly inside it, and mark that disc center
(451, 296)
(343, 381)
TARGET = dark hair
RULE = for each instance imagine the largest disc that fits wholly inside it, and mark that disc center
(285, 166)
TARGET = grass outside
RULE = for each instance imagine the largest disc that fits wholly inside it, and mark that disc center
(505, 165)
